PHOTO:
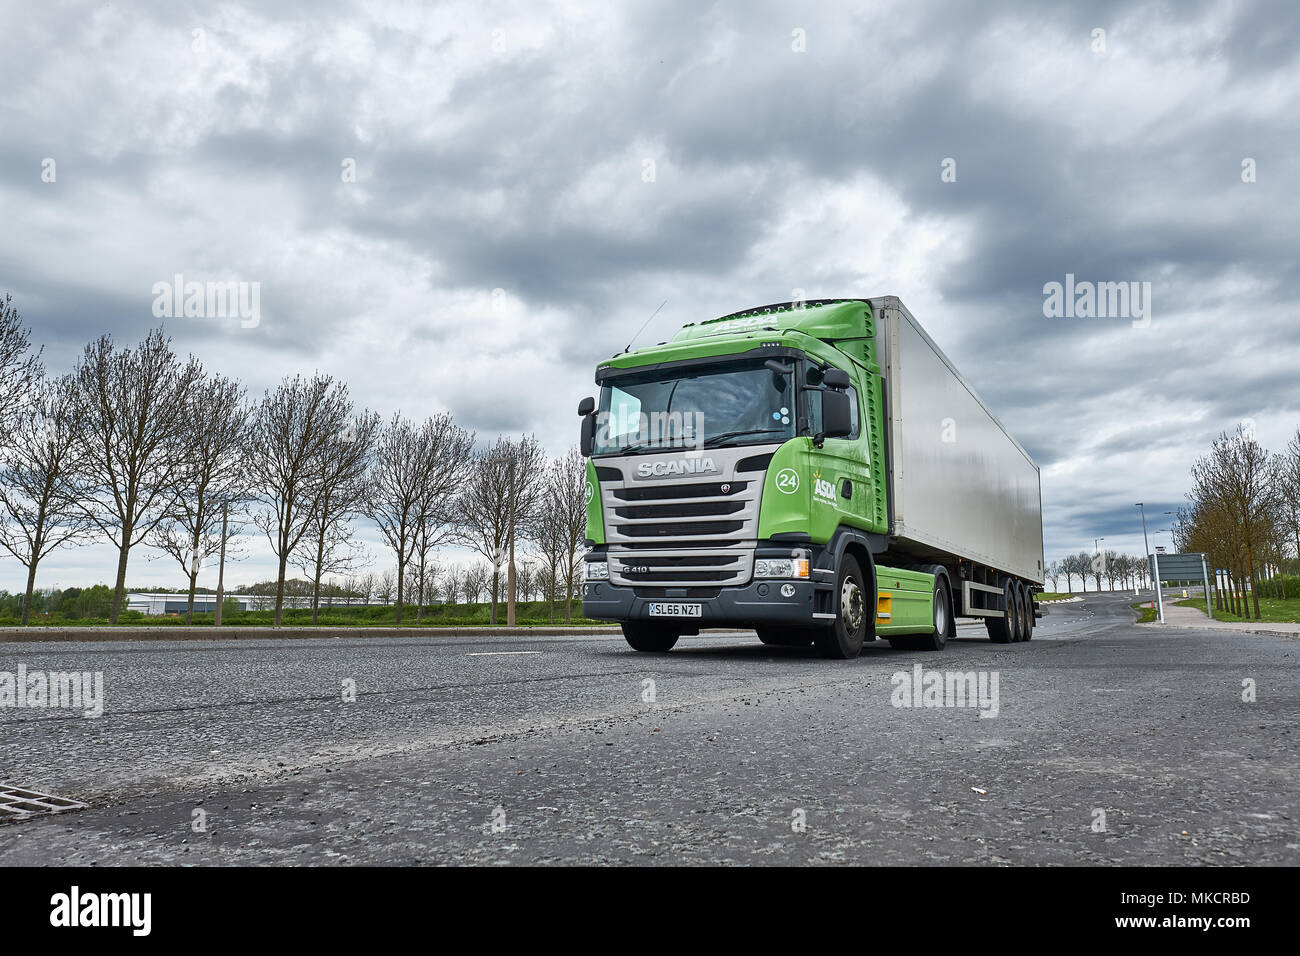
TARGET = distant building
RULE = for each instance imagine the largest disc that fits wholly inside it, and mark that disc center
(159, 604)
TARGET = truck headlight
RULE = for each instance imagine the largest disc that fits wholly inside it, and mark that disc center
(597, 570)
(781, 568)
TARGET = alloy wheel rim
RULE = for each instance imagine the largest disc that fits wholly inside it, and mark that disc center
(851, 604)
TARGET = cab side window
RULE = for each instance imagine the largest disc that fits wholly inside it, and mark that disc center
(813, 377)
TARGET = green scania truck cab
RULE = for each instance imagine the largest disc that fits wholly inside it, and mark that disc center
(817, 471)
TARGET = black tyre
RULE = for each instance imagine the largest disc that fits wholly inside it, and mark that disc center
(1005, 630)
(1027, 615)
(941, 609)
(650, 637)
(785, 636)
(855, 615)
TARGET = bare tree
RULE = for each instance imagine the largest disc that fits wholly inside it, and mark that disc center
(485, 514)
(1054, 572)
(526, 471)
(211, 479)
(452, 585)
(447, 447)
(1237, 476)
(20, 369)
(567, 486)
(366, 587)
(396, 491)
(340, 494)
(38, 503)
(385, 587)
(295, 429)
(1287, 470)
(130, 407)
(498, 502)
(475, 581)
(430, 574)
(526, 579)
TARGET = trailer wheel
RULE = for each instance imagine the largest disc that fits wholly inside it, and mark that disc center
(785, 636)
(649, 637)
(1027, 612)
(1004, 630)
(855, 615)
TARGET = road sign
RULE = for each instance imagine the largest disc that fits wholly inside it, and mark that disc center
(1186, 566)
(1179, 567)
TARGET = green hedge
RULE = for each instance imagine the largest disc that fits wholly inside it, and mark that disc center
(527, 613)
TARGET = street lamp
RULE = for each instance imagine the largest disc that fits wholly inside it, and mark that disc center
(1145, 542)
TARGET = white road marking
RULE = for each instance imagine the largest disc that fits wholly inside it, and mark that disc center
(500, 653)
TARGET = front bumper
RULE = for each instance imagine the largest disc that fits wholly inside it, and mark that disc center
(757, 604)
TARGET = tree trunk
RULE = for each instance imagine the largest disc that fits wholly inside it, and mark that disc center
(119, 589)
(401, 577)
(315, 584)
(279, 588)
(189, 604)
(510, 579)
(568, 596)
(315, 597)
(221, 568)
(31, 588)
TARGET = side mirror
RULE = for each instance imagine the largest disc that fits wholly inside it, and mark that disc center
(837, 420)
(587, 440)
(836, 378)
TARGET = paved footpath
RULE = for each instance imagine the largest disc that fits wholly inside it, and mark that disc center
(1195, 619)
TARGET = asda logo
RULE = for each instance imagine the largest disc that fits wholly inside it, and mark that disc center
(823, 490)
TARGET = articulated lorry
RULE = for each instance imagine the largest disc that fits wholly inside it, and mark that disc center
(818, 471)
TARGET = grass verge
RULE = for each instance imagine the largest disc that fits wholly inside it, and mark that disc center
(1146, 614)
(1270, 609)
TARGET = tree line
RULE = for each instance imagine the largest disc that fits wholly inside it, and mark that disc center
(1244, 512)
(1122, 570)
(138, 446)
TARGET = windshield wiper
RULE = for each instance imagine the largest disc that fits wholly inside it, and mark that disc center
(644, 445)
(714, 439)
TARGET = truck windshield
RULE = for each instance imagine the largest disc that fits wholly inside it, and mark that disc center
(731, 403)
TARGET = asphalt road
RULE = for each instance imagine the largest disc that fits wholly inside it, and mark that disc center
(502, 750)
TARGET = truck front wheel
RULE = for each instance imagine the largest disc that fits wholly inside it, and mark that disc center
(855, 616)
(649, 637)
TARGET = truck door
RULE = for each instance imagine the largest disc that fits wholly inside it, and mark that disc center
(842, 486)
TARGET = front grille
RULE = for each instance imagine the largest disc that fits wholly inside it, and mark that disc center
(700, 509)
(677, 533)
(680, 529)
(712, 489)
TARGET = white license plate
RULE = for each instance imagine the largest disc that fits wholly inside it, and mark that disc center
(676, 610)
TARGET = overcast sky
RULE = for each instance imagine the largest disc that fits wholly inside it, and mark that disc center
(533, 180)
